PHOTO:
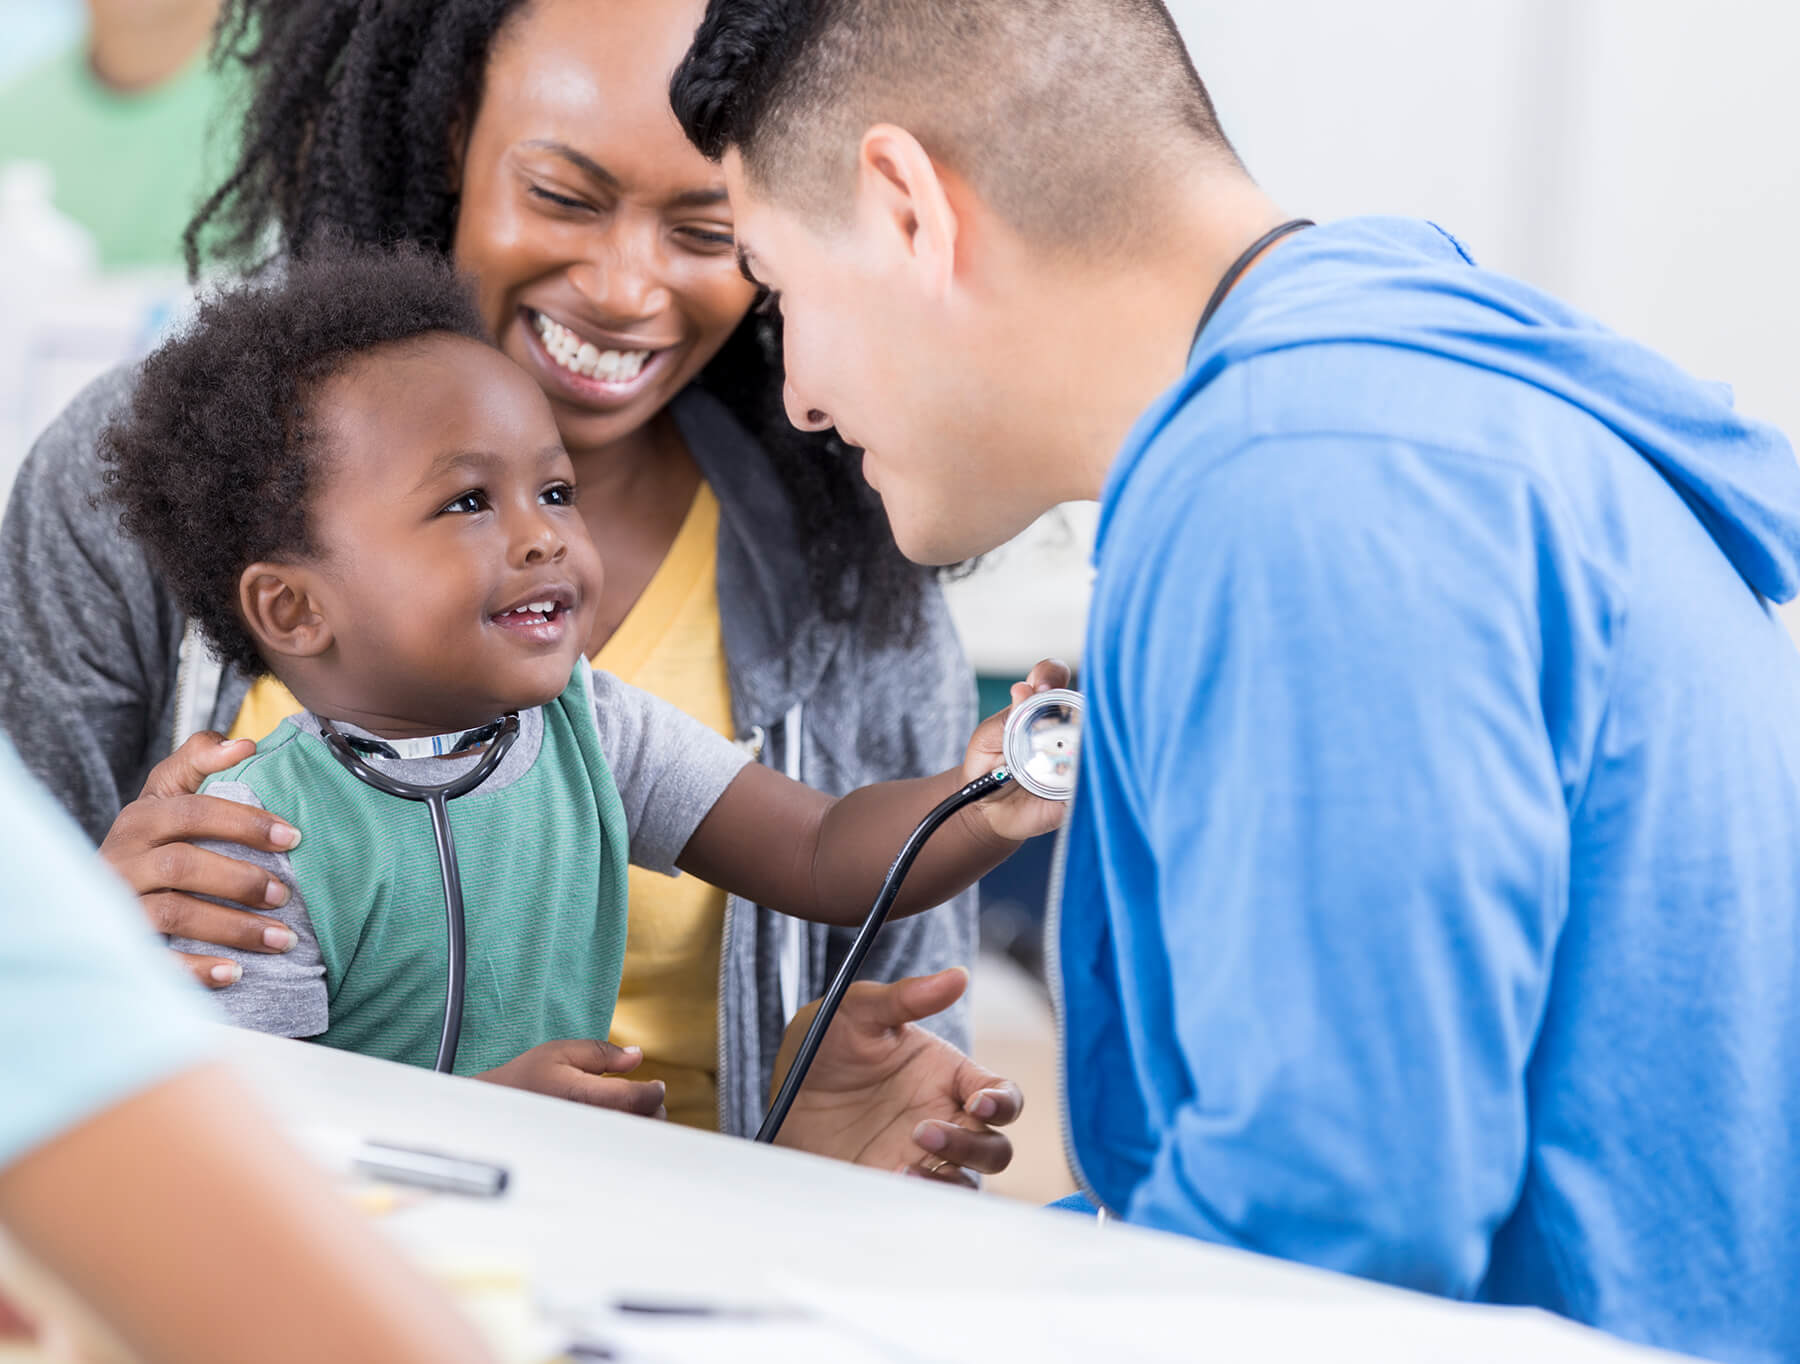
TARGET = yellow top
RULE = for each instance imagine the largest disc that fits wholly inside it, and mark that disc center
(670, 645)
(267, 705)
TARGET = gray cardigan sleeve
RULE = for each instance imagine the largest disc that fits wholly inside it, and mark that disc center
(284, 994)
(936, 686)
(88, 637)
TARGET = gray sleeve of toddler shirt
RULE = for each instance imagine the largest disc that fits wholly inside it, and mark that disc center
(281, 993)
(670, 769)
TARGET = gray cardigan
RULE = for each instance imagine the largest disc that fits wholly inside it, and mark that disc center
(100, 677)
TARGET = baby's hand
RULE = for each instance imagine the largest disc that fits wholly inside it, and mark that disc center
(583, 1072)
(1015, 814)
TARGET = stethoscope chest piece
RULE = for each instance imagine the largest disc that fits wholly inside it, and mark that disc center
(1042, 745)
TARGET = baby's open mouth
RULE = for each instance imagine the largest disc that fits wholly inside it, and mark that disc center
(541, 618)
(533, 613)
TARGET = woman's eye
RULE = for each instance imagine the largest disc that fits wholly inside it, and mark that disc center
(558, 495)
(560, 200)
(709, 239)
(472, 501)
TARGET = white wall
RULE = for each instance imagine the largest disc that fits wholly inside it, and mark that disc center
(1687, 222)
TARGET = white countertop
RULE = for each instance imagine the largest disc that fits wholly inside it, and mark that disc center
(603, 1207)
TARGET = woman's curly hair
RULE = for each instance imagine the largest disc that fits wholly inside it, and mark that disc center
(213, 464)
(349, 129)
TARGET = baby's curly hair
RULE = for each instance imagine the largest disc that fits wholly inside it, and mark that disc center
(213, 466)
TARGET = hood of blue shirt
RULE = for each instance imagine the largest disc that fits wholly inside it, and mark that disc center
(1406, 283)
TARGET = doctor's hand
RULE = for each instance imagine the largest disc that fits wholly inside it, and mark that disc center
(1014, 813)
(885, 1092)
(584, 1072)
(151, 845)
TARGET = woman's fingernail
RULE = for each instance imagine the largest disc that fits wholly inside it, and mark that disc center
(276, 894)
(932, 1137)
(284, 836)
(226, 972)
(279, 939)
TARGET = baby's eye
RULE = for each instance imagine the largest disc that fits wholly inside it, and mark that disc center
(558, 495)
(472, 501)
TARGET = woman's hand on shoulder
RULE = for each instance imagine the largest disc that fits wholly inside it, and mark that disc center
(151, 845)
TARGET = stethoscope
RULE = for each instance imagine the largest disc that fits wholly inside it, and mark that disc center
(499, 737)
(1039, 750)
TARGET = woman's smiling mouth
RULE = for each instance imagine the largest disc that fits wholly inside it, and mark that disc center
(582, 368)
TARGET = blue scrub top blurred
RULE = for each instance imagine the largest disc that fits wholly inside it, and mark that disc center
(93, 1009)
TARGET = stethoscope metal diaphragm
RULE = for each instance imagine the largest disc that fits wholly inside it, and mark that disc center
(1042, 745)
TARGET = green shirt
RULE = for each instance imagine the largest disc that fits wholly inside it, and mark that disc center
(543, 872)
(131, 168)
(604, 773)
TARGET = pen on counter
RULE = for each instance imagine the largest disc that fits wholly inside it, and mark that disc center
(693, 1309)
(429, 1170)
(388, 1163)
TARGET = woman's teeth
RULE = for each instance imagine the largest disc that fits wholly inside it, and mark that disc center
(584, 357)
(536, 608)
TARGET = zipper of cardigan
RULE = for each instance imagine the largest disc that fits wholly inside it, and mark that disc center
(181, 687)
(720, 1092)
(195, 669)
(792, 993)
(756, 743)
(1053, 970)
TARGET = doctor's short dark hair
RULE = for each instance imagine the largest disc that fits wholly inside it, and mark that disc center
(214, 464)
(1056, 111)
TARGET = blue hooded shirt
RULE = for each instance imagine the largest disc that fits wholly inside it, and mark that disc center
(1430, 905)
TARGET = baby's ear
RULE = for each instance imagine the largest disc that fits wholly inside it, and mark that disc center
(282, 611)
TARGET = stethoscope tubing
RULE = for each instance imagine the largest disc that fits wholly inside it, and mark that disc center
(455, 933)
(436, 800)
(865, 939)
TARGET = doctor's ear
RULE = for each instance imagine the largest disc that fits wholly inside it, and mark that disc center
(902, 191)
(281, 611)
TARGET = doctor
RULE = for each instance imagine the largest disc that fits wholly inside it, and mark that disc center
(1432, 902)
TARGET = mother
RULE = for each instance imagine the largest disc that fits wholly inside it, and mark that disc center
(751, 578)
